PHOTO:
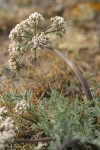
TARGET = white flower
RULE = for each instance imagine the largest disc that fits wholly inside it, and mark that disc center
(59, 24)
(25, 36)
(20, 31)
(8, 124)
(40, 41)
(6, 137)
(7, 128)
(1, 117)
(3, 110)
(35, 18)
(12, 63)
(14, 48)
(13, 34)
(21, 107)
(40, 146)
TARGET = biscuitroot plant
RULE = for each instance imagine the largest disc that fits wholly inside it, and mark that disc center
(28, 36)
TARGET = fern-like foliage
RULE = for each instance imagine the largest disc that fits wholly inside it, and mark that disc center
(15, 97)
(62, 119)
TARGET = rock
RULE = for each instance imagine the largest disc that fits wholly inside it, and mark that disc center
(83, 12)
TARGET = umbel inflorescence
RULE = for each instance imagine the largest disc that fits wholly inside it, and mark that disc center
(7, 128)
(26, 36)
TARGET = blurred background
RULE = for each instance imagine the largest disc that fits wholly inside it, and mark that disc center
(81, 43)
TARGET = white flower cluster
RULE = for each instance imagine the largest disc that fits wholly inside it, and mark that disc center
(19, 31)
(35, 18)
(12, 63)
(23, 29)
(34, 62)
(14, 48)
(40, 41)
(25, 36)
(59, 24)
(20, 36)
(7, 128)
(21, 107)
(3, 110)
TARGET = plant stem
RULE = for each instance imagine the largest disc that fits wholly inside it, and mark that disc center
(35, 31)
(29, 34)
(26, 37)
(35, 55)
(27, 118)
(46, 139)
(77, 72)
(80, 77)
(55, 30)
(24, 52)
(68, 143)
(47, 28)
(51, 31)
